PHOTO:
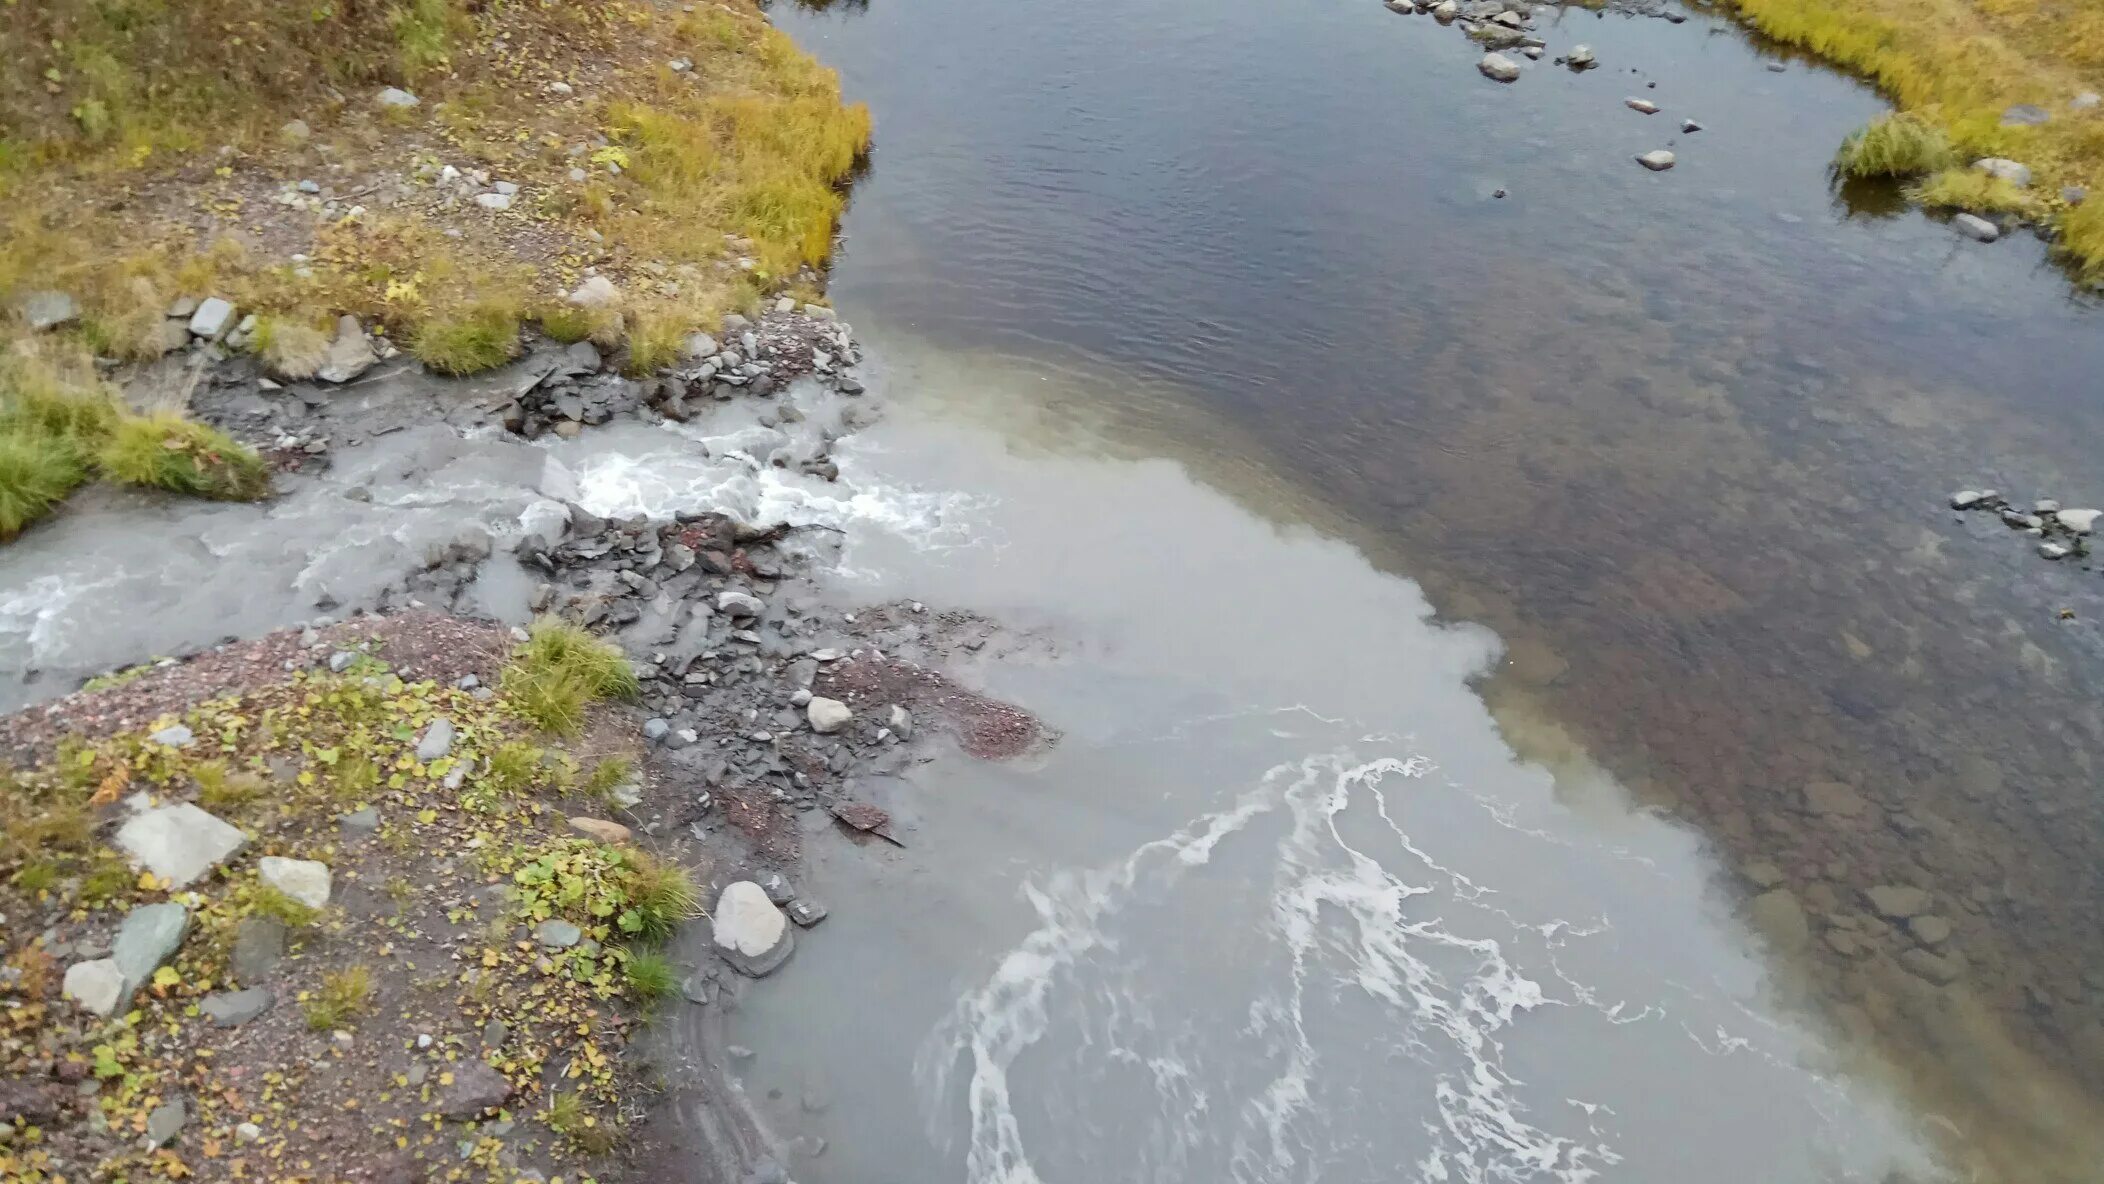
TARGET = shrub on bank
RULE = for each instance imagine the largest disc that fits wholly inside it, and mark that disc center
(166, 451)
(1897, 145)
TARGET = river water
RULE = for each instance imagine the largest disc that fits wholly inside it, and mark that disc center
(1680, 441)
(1453, 609)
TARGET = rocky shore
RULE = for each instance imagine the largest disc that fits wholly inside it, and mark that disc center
(761, 715)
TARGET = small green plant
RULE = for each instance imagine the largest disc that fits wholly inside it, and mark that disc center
(654, 341)
(107, 882)
(513, 768)
(117, 678)
(170, 452)
(344, 995)
(220, 789)
(611, 773)
(560, 672)
(353, 778)
(401, 891)
(469, 341)
(651, 976)
(567, 322)
(566, 1116)
(662, 895)
(643, 898)
(1898, 145)
(267, 901)
(37, 876)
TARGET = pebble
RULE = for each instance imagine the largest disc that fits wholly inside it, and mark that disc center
(2008, 170)
(1658, 160)
(1580, 57)
(1690, 126)
(1644, 105)
(1966, 499)
(396, 97)
(166, 1122)
(827, 715)
(2052, 551)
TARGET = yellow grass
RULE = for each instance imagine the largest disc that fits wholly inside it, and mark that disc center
(1959, 64)
(703, 190)
(1976, 192)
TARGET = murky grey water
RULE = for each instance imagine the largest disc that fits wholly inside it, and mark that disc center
(1682, 440)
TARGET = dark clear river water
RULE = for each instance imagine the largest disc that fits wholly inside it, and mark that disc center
(1681, 440)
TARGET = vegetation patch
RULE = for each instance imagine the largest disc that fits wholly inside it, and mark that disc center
(1960, 68)
(696, 159)
(60, 425)
(1977, 192)
(560, 672)
(1898, 145)
(374, 1015)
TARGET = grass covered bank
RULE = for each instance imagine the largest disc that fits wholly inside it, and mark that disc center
(442, 168)
(1976, 75)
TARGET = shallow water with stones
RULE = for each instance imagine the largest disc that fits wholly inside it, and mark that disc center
(1682, 441)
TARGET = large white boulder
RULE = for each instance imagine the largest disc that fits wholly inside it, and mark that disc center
(178, 843)
(750, 932)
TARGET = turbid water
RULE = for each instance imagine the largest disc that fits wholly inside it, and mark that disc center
(1681, 440)
(1455, 608)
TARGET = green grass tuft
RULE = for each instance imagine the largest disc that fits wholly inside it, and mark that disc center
(469, 341)
(343, 997)
(651, 976)
(560, 672)
(663, 895)
(167, 451)
(1899, 145)
(37, 472)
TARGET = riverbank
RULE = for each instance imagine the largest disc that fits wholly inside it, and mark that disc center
(756, 707)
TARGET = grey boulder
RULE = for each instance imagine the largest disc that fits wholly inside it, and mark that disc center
(231, 1009)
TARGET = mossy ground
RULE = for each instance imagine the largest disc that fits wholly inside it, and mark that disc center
(428, 934)
(1959, 65)
(694, 158)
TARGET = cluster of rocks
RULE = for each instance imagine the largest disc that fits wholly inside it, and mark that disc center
(179, 844)
(210, 325)
(1500, 25)
(1895, 921)
(2060, 532)
(756, 358)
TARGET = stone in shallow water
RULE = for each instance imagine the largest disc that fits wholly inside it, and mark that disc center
(1976, 228)
(2079, 521)
(1780, 919)
(1898, 902)
(1658, 160)
(1499, 68)
(178, 843)
(750, 933)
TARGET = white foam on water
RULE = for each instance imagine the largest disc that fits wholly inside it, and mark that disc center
(734, 477)
(1339, 918)
(36, 612)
